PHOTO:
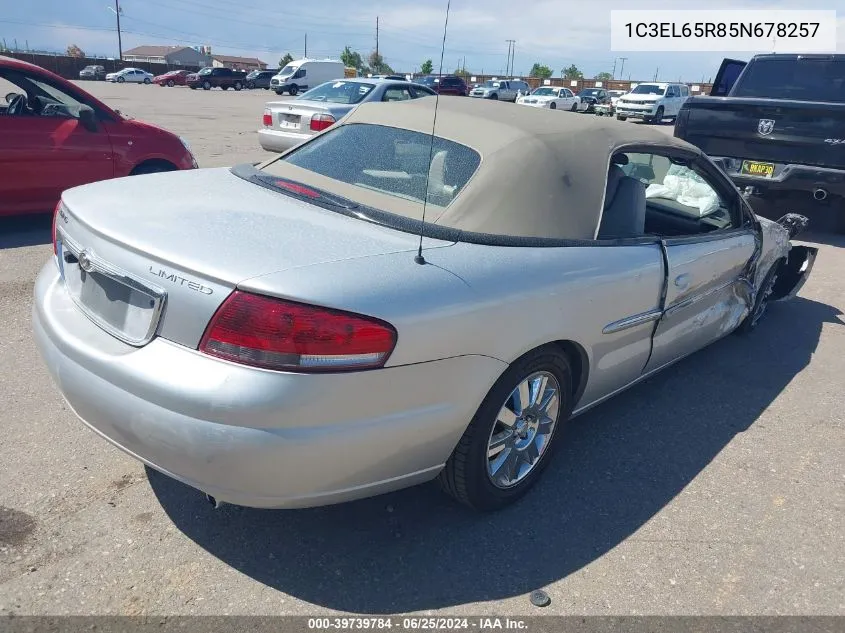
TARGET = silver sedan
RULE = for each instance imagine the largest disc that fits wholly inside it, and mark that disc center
(388, 304)
(289, 123)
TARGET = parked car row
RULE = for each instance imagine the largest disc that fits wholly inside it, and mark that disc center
(286, 124)
(649, 102)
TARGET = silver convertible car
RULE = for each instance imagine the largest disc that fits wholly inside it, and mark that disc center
(300, 335)
(286, 124)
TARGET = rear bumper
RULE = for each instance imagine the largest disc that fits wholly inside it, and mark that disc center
(279, 141)
(253, 437)
(786, 177)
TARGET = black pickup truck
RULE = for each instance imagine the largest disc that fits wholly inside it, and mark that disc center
(776, 125)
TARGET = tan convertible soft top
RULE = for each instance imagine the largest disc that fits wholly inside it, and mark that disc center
(543, 173)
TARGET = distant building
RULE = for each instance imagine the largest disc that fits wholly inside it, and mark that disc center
(237, 63)
(172, 55)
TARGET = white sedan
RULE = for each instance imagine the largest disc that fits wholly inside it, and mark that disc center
(130, 75)
(552, 97)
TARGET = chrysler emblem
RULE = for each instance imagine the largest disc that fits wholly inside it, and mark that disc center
(85, 262)
(765, 126)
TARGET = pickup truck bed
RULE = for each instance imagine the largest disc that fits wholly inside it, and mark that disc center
(785, 138)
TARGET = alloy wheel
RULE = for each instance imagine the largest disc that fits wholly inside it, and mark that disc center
(523, 429)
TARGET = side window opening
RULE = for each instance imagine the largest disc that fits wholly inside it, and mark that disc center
(680, 199)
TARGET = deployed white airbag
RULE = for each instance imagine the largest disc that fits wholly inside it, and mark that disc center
(686, 187)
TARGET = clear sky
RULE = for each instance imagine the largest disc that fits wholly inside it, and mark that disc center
(553, 32)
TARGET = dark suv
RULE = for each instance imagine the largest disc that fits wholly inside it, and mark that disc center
(260, 78)
(445, 85)
(209, 78)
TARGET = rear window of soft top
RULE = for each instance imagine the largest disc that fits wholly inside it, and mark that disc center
(390, 160)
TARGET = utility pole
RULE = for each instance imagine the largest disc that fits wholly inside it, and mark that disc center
(513, 55)
(306, 46)
(508, 64)
(508, 59)
(657, 70)
(119, 42)
(622, 69)
(613, 72)
(376, 40)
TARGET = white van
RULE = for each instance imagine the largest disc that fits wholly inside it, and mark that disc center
(652, 102)
(304, 74)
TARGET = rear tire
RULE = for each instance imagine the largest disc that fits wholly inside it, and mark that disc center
(471, 475)
(293, 90)
(238, 85)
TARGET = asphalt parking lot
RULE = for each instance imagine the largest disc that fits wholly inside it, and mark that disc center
(715, 488)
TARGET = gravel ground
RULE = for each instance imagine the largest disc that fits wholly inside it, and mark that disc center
(714, 488)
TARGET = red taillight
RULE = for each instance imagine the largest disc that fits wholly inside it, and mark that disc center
(320, 122)
(55, 216)
(277, 334)
(268, 118)
(297, 188)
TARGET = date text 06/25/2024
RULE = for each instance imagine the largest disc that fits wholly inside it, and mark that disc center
(421, 623)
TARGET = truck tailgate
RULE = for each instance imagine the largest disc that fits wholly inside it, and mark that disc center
(774, 130)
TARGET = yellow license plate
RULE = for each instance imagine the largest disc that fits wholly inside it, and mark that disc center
(753, 168)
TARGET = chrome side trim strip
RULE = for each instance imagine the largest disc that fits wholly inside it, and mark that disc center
(632, 321)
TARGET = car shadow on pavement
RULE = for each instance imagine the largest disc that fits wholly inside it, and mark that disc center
(620, 465)
(27, 230)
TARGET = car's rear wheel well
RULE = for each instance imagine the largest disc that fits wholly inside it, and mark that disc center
(152, 166)
(578, 363)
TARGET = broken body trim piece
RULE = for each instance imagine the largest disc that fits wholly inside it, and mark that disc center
(794, 272)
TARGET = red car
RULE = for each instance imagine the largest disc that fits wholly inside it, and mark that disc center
(172, 78)
(56, 136)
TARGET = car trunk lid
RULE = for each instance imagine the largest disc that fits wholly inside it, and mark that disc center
(166, 249)
(295, 116)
